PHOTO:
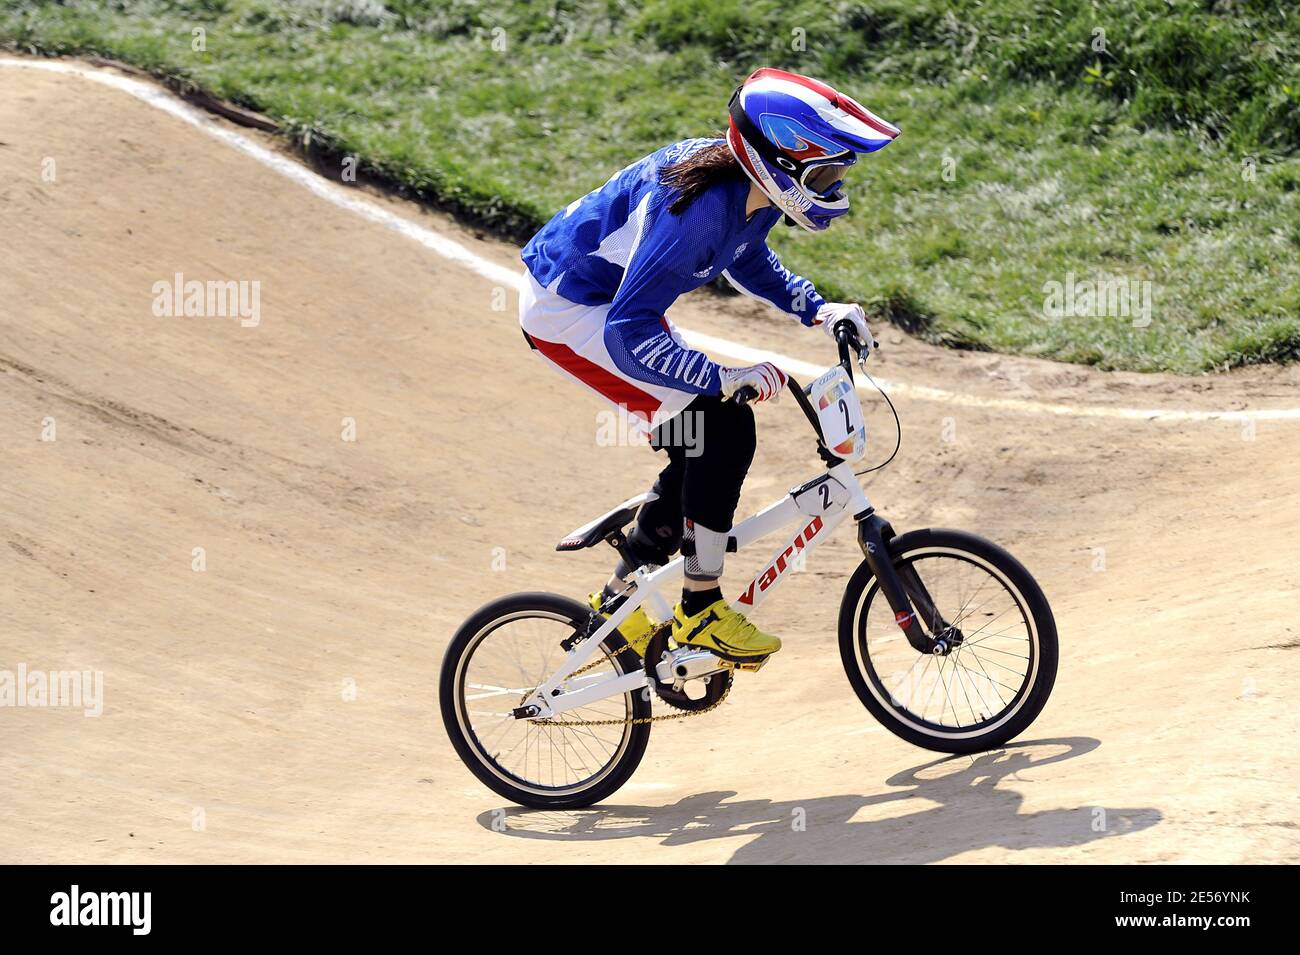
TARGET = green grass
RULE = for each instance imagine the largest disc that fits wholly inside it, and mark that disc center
(1171, 156)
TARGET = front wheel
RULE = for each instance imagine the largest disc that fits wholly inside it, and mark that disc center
(1001, 660)
(497, 658)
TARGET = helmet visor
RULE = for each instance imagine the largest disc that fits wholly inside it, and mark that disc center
(825, 179)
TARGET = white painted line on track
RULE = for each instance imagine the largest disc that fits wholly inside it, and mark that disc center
(453, 251)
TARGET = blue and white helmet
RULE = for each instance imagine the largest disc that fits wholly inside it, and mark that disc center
(796, 137)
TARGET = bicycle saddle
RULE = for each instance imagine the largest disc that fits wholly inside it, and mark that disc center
(593, 533)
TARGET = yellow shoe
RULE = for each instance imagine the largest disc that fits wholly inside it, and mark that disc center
(724, 631)
(636, 629)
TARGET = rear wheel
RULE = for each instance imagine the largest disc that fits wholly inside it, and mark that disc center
(497, 658)
(997, 675)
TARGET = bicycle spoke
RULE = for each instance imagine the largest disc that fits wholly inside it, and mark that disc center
(962, 683)
(984, 702)
(894, 693)
(1010, 689)
(526, 651)
(960, 690)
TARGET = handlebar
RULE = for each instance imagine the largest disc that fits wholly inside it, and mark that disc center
(846, 337)
(849, 344)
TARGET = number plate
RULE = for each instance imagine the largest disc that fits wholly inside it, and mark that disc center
(839, 412)
(822, 495)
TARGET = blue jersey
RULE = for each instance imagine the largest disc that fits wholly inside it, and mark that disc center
(621, 246)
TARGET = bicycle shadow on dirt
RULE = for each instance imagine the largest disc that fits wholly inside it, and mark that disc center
(956, 805)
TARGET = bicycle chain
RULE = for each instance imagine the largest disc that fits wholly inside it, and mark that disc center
(635, 721)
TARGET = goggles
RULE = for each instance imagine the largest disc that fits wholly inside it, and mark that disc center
(825, 179)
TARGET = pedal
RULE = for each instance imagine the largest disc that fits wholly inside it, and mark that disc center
(753, 666)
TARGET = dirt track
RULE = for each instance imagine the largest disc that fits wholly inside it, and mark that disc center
(332, 563)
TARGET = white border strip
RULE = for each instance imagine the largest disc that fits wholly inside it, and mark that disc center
(925, 393)
(453, 251)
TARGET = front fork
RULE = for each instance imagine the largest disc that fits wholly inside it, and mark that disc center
(904, 590)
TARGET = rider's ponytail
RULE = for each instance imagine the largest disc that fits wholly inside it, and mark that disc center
(703, 168)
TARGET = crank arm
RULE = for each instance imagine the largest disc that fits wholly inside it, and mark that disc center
(689, 664)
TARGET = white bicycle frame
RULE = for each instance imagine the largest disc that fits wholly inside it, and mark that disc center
(817, 508)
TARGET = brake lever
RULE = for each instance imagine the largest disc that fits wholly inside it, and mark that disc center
(848, 342)
(865, 352)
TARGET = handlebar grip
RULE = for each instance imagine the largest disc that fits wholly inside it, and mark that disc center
(846, 336)
(745, 394)
(846, 333)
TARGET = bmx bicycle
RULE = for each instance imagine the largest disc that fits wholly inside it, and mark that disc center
(946, 638)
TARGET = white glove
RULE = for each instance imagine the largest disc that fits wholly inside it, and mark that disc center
(765, 378)
(832, 313)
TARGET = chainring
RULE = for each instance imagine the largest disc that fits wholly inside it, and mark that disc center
(714, 691)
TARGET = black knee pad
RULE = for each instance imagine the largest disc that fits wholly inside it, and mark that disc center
(654, 545)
